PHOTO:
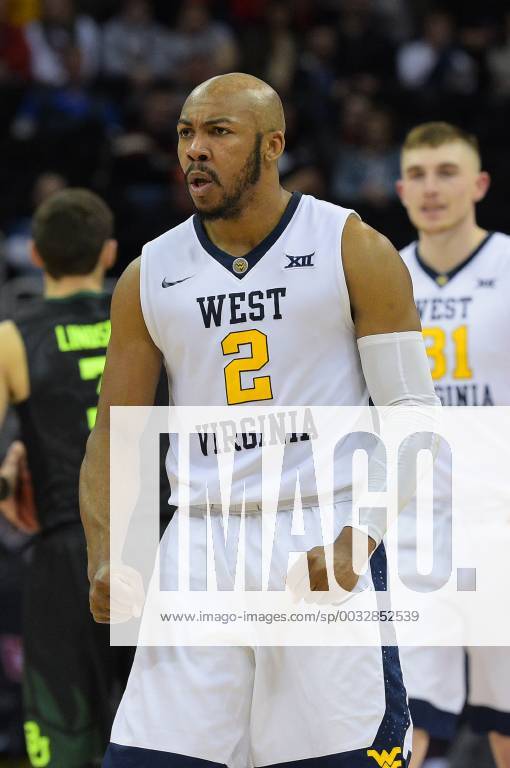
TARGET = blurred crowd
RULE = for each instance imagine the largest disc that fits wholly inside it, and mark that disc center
(90, 91)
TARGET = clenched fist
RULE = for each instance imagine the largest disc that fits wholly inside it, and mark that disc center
(343, 559)
(312, 573)
(116, 594)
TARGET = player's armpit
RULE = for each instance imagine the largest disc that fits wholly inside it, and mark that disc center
(379, 285)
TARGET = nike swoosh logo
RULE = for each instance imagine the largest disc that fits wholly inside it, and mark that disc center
(165, 284)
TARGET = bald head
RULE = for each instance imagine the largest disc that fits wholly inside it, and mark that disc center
(230, 138)
(238, 92)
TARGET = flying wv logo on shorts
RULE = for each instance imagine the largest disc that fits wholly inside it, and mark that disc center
(300, 261)
(386, 759)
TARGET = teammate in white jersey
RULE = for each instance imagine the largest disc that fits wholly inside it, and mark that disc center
(461, 281)
(324, 305)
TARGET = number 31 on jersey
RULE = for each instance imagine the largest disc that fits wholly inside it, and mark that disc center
(436, 340)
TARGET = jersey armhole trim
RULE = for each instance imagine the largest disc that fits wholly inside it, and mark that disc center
(342, 283)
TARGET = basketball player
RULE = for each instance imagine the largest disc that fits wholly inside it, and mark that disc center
(294, 282)
(461, 279)
(51, 360)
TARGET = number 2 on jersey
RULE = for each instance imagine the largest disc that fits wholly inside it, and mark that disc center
(92, 368)
(261, 389)
(436, 338)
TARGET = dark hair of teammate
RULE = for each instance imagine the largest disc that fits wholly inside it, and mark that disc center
(70, 230)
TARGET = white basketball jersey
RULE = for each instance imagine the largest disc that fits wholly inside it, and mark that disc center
(271, 328)
(465, 315)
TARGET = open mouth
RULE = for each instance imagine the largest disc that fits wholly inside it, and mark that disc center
(199, 182)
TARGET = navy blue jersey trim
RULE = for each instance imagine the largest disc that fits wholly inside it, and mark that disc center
(438, 723)
(254, 256)
(396, 719)
(118, 756)
(357, 758)
(443, 278)
(486, 719)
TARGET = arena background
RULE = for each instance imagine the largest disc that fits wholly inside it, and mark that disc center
(89, 95)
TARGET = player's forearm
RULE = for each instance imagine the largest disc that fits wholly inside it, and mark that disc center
(94, 498)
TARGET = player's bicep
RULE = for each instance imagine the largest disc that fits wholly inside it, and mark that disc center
(379, 284)
(130, 376)
(14, 382)
(133, 362)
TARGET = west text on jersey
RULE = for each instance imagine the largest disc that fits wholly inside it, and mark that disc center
(444, 309)
(233, 308)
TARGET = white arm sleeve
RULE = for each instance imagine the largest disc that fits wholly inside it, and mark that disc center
(396, 369)
(397, 373)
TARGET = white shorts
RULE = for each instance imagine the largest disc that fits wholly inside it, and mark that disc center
(435, 677)
(262, 706)
(435, 680)
(489, 689)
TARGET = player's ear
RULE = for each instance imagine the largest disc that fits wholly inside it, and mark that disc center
(482, 184)
(109, 254)
(35, 256)
(399, 187)
(275, 146)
